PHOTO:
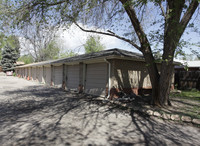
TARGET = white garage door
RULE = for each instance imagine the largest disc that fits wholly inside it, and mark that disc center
(26, 72)
(17, 71)
(23, 72)
(40, 75)
(96, 79)
(47, 75)
(34, 73)
(58, 76)
(37, 73)
(72, 77)
(29, 72)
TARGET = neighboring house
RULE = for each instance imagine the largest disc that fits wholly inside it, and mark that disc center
(187, 75)
(101, 73)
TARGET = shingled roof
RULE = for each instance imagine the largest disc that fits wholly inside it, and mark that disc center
(105, 53)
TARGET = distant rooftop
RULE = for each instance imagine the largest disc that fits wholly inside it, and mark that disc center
(189, 63)
(19, 63)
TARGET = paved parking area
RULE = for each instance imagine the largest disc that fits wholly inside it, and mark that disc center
(34, 114)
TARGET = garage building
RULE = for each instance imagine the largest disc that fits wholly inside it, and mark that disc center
(101, 73)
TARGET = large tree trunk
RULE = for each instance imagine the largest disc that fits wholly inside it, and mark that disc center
(165, 83)
(174, 28)
(166, 70)
(154, 75)
(161, 83)
(155, 91)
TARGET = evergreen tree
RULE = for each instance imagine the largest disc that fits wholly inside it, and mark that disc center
(0, 55)
(9, 57)
(2, 43)
(11, 41)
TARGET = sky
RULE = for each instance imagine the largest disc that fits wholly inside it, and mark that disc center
(74, 39)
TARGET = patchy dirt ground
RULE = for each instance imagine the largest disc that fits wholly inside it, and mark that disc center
(34, 114)
(186, 107)
(181, 106)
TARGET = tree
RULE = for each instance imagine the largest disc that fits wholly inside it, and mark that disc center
(11, 41)
(26, 59)
(0, 55)
(50, 52)
(9, 58)
(169, 26)
(68, 53)
(93, 44)
(39, 41)
(10, 51)
(2, 42)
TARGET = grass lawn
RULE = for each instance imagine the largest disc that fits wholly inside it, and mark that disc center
(188, 94)
(186, 103)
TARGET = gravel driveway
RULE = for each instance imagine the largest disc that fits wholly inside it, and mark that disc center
(34, 114)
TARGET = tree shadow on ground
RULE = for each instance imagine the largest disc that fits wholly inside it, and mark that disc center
(50, 116)
(184, 107)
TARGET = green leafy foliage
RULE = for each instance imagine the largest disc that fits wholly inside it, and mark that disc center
(93, 44)
(26, 59)
(9, 57)
(13, 42)
(66, 54)
(2, 40)
(9, 52)
(50, 52)
(2, 44)
(0, 56)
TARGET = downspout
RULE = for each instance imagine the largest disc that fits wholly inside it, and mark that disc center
(109, 77)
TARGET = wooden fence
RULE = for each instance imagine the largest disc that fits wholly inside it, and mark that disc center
(187, 79)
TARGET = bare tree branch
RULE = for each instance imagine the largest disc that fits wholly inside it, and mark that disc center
(162, 9)
(109, 34)
(47, 4)
(189, 13)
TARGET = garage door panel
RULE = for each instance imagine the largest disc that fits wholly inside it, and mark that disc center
(29, 72)
(97, 73)
(74, 81)
(97, 91)
(73, 68)
(34, 73)
(96, 79)
(100, 69)
(47, 75)
(95, 86)
(40, 74)
(37, 73)
(58, 76)
(72, 77)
